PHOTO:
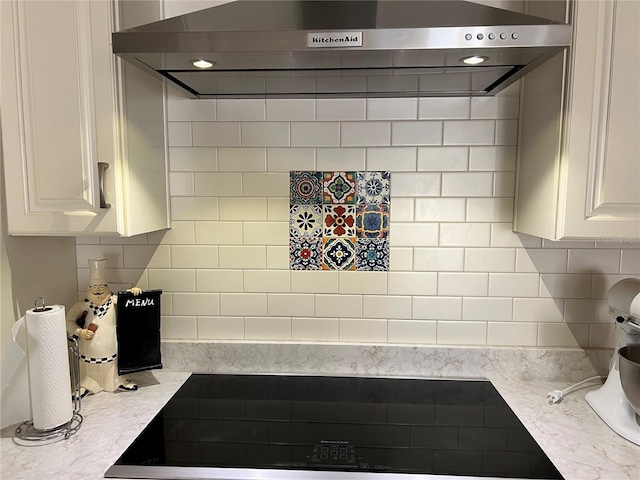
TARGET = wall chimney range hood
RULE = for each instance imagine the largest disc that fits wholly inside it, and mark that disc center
(343, 48)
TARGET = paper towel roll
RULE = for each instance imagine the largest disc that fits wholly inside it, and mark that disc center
(49, 378)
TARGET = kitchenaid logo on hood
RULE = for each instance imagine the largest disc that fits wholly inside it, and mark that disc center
(335, 39)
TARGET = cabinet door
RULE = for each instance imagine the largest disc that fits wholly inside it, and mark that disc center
(49, 119)
(602, 144)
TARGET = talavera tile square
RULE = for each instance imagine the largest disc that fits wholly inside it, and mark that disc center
(339, 187)
(305, 187)
(305, 221)
(372, 221)
(373, 187)
(305, 253)
(338, 254)
(372, 254)
(339, 220)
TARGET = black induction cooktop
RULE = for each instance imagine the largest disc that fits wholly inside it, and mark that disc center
(299, 427)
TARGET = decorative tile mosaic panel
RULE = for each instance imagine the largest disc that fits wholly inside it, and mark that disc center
(339, 220)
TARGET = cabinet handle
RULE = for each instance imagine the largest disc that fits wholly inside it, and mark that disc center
(102, 166)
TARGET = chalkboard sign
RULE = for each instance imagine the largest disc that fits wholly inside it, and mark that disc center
(138, 331)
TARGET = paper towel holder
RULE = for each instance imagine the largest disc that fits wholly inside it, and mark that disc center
(27, 431)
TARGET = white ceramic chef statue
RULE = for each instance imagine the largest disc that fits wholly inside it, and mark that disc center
(93, 322)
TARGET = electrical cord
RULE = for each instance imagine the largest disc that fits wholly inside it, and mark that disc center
(556, 395)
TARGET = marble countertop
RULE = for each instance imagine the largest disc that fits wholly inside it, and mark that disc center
(580, 445)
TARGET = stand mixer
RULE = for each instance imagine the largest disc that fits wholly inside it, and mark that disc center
(617, 402)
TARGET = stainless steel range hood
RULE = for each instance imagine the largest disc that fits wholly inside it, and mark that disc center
(343, 48)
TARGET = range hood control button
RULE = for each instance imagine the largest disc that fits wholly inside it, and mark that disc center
(480, 36)
(468, 36)
(514, 35)
(492, 36)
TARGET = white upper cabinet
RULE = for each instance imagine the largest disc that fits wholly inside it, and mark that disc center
(579, 150)
(72, 111)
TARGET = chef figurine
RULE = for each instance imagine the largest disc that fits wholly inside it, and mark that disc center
(93, 322)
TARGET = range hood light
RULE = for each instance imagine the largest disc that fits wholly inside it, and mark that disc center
(203, 64)
(474, 59)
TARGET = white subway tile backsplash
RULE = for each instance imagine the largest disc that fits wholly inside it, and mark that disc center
(265, 134)
(265, 184)
(465, 234)
(269, 233)
(187, 110)
(287, 159)
(309, 281)
(243, 304)
(171, 280)
(215, 134)
(520, 333)
(341, 110)
(467, 184)
(315, 329)
(175, 328)
(365, 134)
(242, 159)
(277, 257)
(594, 261)
(362, 282)
(458, 273)
(415, 184)
(630, 262)
(565, 285)
(438, 259)
(411, 331)
(363, 330)
(439, 209)
(331, 306)
(489, 260)
(291, 109)
(267, 328)
(412, 283)
(196, 304)
(194, 256)
(243, 209)
(463, 284)
(392, 109)
(193, 159)
(497, 107)
(403, 210)
(219, 233)
(220, 328)
(462, 333)
(242, 256)
(219, 280)
(340, 159)
(267, 281)
(291, 305)
(539, 260)
(444, 159)
(218, 184)
(179, 134)
(240, 110)
(469, 132)
(382, 306)
(563, 335)
(315, 134)
(538, 310)
(489, 210)
(392, 159)
(443, 108)
(492, 159)
(414, 234)
(513, 284)
(181, 184)
(506, 132)
(416, 133)
(437, 308)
